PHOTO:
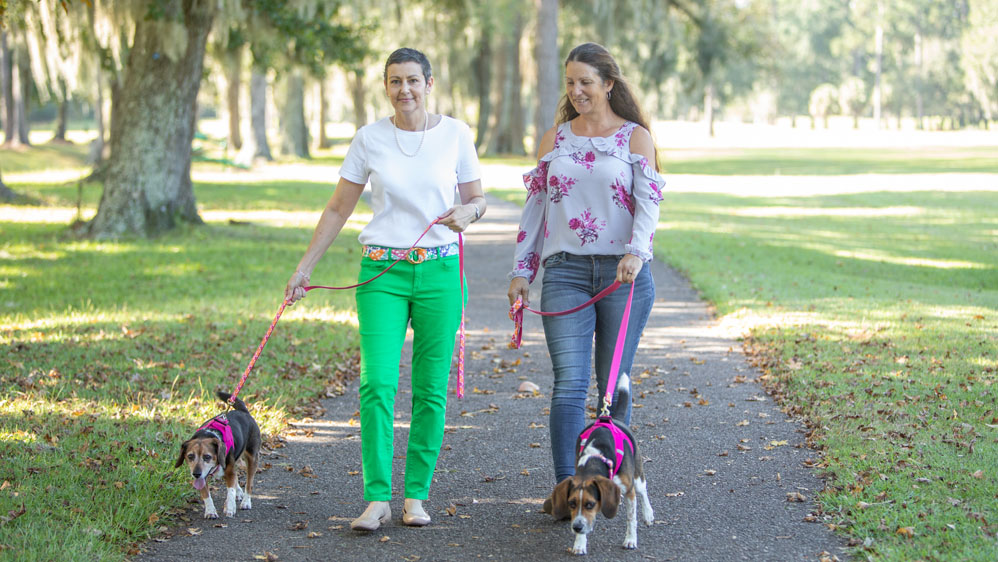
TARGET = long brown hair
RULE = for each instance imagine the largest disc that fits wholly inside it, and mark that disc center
(622, 100)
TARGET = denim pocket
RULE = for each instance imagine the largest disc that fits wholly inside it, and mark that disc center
(554, 260)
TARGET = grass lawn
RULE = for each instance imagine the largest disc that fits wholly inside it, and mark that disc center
(874, 318)
(112, 352)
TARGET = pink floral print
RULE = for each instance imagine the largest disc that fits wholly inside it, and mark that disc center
(534, 181)
(560, 185)
(587, 227)
(531, 262)
(585, 160)
(656, 195)
(621, 197)
(623, 135)
(521, 236)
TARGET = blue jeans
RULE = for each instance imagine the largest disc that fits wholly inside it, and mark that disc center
(570, 280)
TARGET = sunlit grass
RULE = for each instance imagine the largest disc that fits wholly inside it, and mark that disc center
(112, 352)
(879, 329)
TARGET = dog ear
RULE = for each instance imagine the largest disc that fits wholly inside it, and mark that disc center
(609, 496)
(559, 500)
(183, 453)
(219, 452)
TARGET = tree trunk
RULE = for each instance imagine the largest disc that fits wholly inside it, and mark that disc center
(879, 49)
(256, 145)
(508, 135)
(22, 94)
(323, 115)
(919, 84)
(60, 125)
(294, 130)
(7, 84)
(483, 73)
(355, 81)
(708, 107)
(233, 84)
(147, 185)
(97, 146)
(548, 75)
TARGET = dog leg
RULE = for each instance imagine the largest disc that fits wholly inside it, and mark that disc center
(641, 487)
(580, 544)
(251, 462)
(209, 506)
(631, 538)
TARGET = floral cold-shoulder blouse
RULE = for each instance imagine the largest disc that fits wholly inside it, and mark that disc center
(588, 196)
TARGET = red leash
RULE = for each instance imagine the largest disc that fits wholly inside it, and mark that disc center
(516, 315)
(460, 361)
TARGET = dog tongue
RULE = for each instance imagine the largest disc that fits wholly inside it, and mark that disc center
(199, 483)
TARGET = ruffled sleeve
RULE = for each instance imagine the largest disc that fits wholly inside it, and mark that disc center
(530, 235)
(647, 193)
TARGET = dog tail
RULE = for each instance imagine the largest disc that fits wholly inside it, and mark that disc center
(623, 390)
(238, 404)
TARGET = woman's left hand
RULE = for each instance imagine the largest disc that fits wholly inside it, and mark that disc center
(458, 217)
(628, 268)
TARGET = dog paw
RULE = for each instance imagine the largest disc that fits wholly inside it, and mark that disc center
(630, 544)
(649, 519)
(578, 550)
(211, 514)
(246, 503)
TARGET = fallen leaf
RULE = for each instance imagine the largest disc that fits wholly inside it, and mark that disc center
(907, 532)
(979, 474)
(742, 423)
(385, 538)
(710, 472)
(527, 386)
(795, 497)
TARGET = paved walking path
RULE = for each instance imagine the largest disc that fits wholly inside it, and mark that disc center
(721, 457)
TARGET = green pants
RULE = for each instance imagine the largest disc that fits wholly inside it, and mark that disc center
(428, 295)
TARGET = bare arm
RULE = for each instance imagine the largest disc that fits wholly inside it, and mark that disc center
(459, 217)
(334, 216)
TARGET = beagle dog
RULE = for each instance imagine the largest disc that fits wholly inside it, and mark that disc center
(218, 444)
(608, 468)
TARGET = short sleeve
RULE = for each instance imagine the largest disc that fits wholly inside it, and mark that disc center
(468, 168)
(355, 166)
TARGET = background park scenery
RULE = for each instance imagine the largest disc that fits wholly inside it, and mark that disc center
(832, 174)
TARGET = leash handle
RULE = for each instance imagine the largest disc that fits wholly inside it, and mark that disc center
(618, 352)
(516, 312)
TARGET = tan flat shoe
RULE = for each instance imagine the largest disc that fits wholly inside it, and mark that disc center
(376, 514)
(413, 514)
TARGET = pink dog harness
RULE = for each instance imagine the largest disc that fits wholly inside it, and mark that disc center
(219, 425)
(619, 438)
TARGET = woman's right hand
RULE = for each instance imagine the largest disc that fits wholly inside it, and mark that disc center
(519, 287)
(295, 290)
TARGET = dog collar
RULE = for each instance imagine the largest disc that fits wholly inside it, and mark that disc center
(219, 426)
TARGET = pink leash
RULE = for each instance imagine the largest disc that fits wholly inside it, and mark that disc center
(460, 360)
(516, 315)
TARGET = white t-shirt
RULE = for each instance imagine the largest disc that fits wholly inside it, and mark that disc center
(408, 193)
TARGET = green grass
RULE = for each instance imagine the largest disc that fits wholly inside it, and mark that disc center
(874, 316)
(112, 351)
(828, 161)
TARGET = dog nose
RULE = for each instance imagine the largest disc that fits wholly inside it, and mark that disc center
(196, 474)
(577, 526)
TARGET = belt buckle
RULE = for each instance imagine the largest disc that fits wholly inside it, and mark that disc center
(420, 256)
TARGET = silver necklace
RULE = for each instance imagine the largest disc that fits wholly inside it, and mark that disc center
(395, 129)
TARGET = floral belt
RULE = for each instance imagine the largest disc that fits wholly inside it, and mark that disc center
(413, 256)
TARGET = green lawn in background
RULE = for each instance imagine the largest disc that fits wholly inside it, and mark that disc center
(874, 317)
(828, 161)
(112, 352)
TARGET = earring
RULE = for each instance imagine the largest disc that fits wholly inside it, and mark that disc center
(608, 94)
